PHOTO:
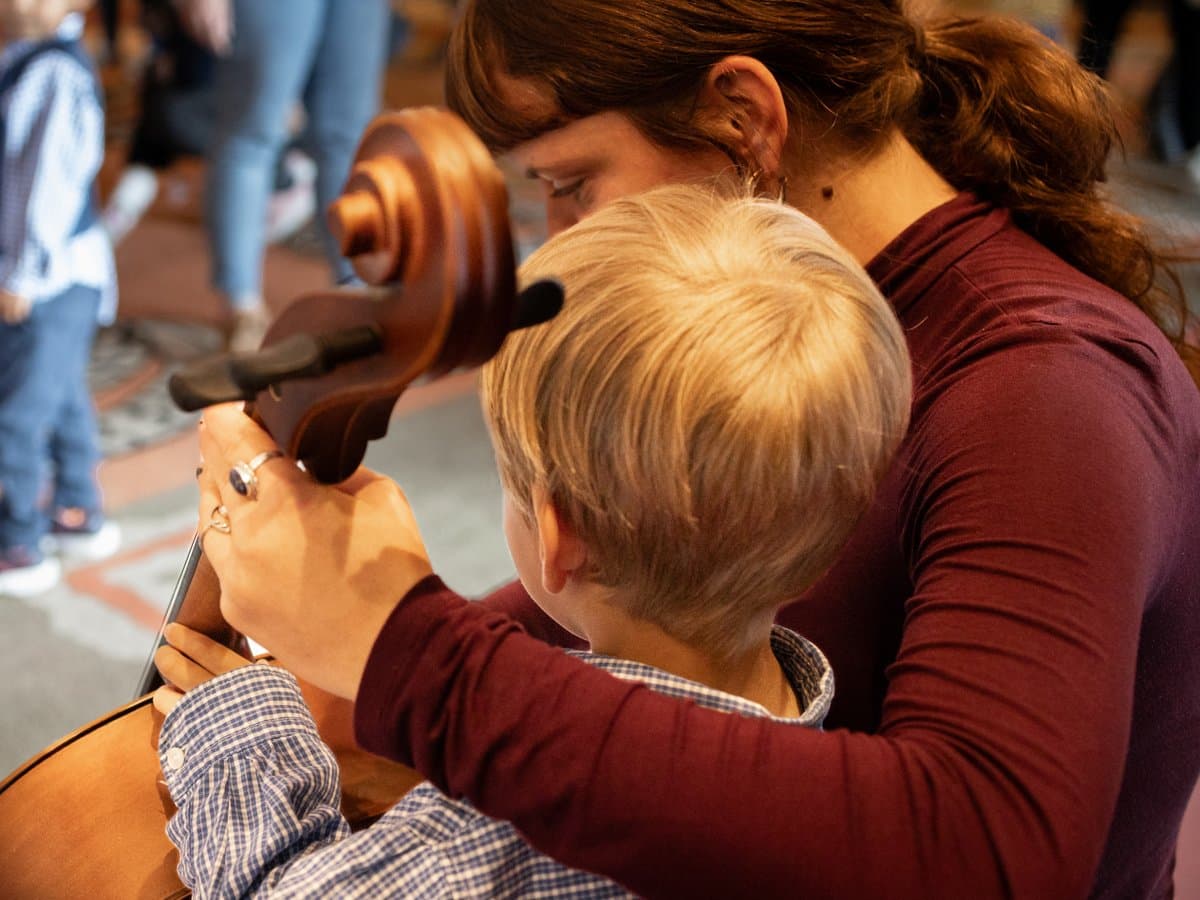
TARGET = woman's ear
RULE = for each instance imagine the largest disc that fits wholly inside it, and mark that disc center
(561, 552)
(744, 104)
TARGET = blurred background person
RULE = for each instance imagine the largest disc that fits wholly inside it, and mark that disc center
(326, 54)
(1174, 113)
(177, 112)
(57, 281)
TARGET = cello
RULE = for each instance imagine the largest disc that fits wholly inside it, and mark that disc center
(424, 219)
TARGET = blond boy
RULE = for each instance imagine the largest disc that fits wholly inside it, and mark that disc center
(683, 450)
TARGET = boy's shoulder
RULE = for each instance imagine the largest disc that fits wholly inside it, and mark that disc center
(804, 665)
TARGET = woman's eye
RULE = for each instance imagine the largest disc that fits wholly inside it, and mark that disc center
(571, 189)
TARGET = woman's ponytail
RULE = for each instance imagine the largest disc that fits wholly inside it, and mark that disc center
(1009, 115)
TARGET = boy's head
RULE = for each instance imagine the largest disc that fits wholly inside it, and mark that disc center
(709, 414)
(22, 20)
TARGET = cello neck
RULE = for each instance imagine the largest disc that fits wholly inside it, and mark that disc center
(196, 603)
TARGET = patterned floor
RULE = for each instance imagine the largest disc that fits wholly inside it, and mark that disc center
(130, 368)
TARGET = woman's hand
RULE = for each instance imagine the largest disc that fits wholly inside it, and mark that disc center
(187, 660)
(309, 571)
(209, 22)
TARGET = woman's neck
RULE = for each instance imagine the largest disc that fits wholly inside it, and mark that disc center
(866, 204)
(754, 674)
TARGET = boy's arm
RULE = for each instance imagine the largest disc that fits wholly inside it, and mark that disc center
(257, 793)
(54, 145)
(253, 783)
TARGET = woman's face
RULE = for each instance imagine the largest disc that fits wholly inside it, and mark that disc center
(597, 159)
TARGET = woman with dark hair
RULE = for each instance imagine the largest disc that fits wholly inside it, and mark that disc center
(1013, 626)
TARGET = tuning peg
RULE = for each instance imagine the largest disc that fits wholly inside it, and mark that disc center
(302, 356)
(538, 303)
(205, 383)
(241, 376)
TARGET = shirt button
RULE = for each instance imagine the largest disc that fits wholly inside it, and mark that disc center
(175, 759)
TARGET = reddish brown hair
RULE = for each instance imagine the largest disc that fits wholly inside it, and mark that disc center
(995, 107)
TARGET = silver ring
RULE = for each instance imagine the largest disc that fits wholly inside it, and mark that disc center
(242, 476)
(218, 521)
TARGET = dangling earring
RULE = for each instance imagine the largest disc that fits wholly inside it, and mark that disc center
(783, 189)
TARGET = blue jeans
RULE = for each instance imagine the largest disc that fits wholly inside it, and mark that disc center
(330, 54)
(46, 417)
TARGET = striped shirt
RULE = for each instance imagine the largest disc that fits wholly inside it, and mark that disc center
(257, 796)
(53, 148)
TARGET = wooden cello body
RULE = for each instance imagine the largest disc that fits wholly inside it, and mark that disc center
(424, 219)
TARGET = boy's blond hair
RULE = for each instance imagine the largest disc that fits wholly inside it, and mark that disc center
(711, 411)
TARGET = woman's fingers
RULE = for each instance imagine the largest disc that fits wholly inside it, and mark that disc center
(214, 540)
(362, 479)
(228, 439)
(231, 435)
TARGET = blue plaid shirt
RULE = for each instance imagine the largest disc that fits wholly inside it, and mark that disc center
(53, 148)
(258, 795)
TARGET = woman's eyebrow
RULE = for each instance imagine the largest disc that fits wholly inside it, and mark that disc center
(559, 167)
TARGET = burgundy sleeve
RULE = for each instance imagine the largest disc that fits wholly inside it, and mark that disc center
(997, 766)
(514, 601)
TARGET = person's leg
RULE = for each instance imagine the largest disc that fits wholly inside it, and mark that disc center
(151, 149)
(78, 527)
(30, 391)
(342, 96)
(74, 441)
(257, 85)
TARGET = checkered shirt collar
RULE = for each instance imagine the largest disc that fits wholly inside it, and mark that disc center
(804, 666)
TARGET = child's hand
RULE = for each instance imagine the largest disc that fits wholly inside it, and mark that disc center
(187, 660)
(14, 309)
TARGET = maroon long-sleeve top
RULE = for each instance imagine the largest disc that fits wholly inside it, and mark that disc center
(1014, 628)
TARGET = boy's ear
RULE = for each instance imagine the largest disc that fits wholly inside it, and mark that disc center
(744, 103)
(561, 552)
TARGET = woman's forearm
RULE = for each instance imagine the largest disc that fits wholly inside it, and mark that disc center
(674, 800)
(514, 601)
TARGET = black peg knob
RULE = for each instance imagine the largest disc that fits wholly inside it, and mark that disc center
(302, 356)
(205, 383)
(538, 303)
(241, 376)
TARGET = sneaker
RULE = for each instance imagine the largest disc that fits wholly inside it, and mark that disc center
(248, 328)
(292, 208)
(77, 535)
(25, 572)
(132, 196)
